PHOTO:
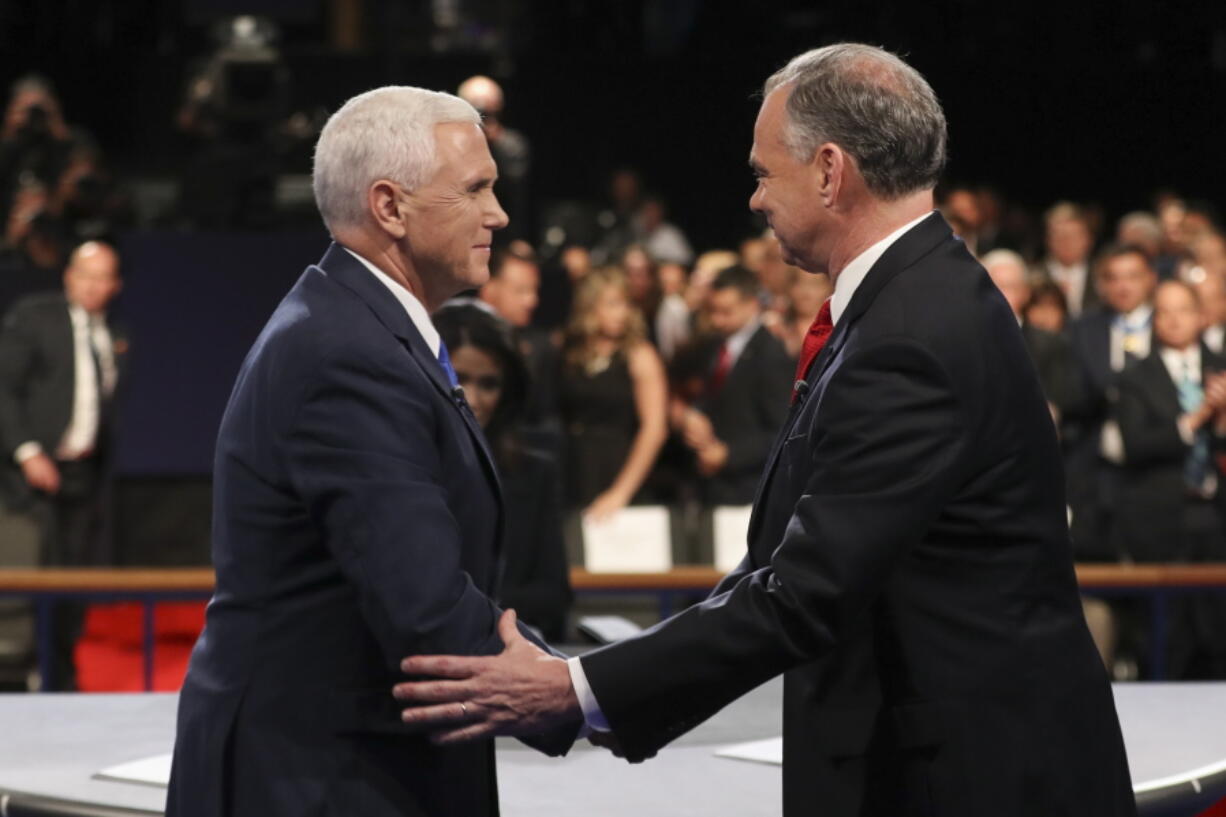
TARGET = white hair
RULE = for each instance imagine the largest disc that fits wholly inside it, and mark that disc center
(387, 133)
(1003, 256)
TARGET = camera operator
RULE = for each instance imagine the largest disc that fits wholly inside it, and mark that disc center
(34, 139)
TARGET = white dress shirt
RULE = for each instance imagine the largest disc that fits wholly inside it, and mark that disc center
(1183, 365)
(849, 280)
(80, 438)
(1135, 342)
(845, 286)
(1073, 279)
(416, 309)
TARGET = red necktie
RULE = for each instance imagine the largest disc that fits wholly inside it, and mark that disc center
(723, 364)
(815, 339)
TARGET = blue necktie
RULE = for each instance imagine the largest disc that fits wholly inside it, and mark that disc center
(444, 360)
(1196, 464)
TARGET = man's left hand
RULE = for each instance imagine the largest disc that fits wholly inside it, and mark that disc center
(712, 458)
(521, 691)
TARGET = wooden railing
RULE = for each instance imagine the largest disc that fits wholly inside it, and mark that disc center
(682, 583)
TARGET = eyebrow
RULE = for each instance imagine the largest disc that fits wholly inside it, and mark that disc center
(481, 181)
(756, 166)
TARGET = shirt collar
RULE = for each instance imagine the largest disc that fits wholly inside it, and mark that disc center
(739, 339)
(1181, 361)
(1137, 319)
(417, 311)
(853, 274)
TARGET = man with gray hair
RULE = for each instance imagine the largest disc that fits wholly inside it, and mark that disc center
(909, 568)
(357, 512)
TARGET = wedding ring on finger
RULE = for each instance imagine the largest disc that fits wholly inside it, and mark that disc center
(463, 709)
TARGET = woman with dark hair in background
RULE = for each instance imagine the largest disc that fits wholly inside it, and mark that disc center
(536, 582)
(613, 397)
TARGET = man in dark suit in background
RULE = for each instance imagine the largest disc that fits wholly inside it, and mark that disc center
(1105, 341)
(357, 512)
(60, 363)
(731, 426)
(909, 566)
(1171, 411)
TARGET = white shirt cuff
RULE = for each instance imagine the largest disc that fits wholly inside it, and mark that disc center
(592, 716)
(1185, 429)
(1111, 447)
(26, 450)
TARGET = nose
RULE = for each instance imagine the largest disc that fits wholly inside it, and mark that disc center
(496, 218)
(755, 200)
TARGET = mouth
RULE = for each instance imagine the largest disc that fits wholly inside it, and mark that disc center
(481, 247)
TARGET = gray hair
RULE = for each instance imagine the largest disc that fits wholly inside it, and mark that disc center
(1003, 256)
(387, 133)
(872, 105)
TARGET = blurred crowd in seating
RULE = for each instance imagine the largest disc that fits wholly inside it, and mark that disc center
(614, 363)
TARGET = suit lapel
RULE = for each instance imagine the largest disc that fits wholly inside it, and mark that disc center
(1161, 386)
(346, 270)
(911, 246)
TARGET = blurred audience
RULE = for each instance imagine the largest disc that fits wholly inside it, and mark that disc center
(61, 362)
(565, 355)
(511, 151)
(662, 240)
(731, 424)
(512, 293)
(536, 580)
(1172, 416)
(1046, 308)
(673, 326)
(643, 285)
(1048, 349)
(1069, 242)
(613, 398)
(1105, 341)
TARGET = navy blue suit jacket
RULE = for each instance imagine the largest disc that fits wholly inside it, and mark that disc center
(357, 520)
(909, 570)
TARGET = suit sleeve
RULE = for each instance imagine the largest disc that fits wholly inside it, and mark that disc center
(1148, 438)
(18, 354)
(362, 453)
(881, 457)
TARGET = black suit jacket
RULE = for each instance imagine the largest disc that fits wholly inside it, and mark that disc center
(1152, 491)
(909, 570)
(357, 519)
(746, 414)
(38, 378)
(1093, 482)
(1053, 360)
(536, 582)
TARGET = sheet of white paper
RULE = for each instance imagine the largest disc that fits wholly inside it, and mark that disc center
(731, 525)
(633, 540)
(769, 750)
(149, 771)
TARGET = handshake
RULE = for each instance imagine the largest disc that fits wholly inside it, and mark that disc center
(522, 691)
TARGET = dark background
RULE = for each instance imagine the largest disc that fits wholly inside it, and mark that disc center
(1103, 102)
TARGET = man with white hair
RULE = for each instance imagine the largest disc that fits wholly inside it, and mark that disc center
(357, 513)
(1049, 352)
(909, 568)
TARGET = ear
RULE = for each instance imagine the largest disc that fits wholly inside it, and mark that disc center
(830, 165)
(383, 203)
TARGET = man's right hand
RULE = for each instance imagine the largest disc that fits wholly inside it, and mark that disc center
(41, 474)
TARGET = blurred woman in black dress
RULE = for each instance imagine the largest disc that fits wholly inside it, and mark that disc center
(613, 398)
(536, 582)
